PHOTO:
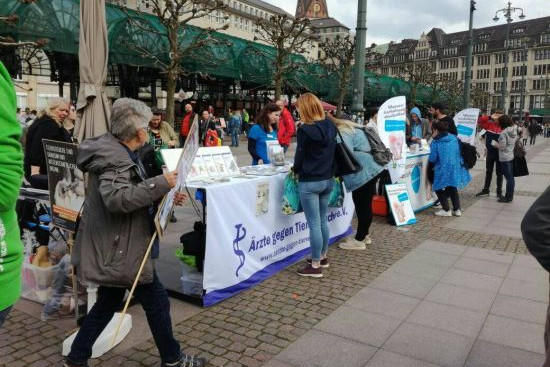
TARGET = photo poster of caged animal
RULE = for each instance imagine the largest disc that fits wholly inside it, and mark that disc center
(66, 184)
(400, 205)
(392, 116)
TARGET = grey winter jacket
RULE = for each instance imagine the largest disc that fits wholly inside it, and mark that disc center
(506, 143)
(115, 229)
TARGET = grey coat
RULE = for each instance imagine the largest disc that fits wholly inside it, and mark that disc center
(115, 229)
(506, 143)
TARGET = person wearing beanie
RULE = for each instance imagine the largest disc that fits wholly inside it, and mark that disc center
(11, 174)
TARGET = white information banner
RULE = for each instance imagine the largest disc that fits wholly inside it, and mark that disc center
(392, 117)
(416, 180)
(466, 124)
(400, 204)
(245, 245)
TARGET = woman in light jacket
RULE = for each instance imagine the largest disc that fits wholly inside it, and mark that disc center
(506, 143)
(362, 184)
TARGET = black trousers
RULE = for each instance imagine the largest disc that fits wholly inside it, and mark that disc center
(533, 139)
(444, 195)
(490, 163)
(362, 199)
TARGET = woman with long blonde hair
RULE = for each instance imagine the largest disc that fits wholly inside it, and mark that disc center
(314, 164)
(48, 126)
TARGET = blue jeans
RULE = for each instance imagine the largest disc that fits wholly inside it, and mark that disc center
(3, 315)
(508, 172)
(235, 138)
(314, 198)
(58, 286)
(153, 299)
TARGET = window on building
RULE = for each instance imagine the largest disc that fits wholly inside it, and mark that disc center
(519, 70)
(536, 101)
(514, 42)
(480, 47)
(541, 84)
(518, 30)
(518, 84)
(545, 38)
(541, 69)
(484, 59)
(484, 36)
(482, 73)
(500, 58)
(520, 56)
(542, 54)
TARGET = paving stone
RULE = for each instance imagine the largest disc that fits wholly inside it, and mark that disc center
(448, 318)
(489, 255)
(446, 248)
(384, 358)
(320, 349)
(482, 266)
(486, 354)
(519, 308)
(470, 299)
(430, 345)
(471, 280)
(277, 363)
(418, 269)
(431, 257)
(527, 290)
(513, 333)
(528, 274)
(385, 303)
(526, 261)
(403, 284)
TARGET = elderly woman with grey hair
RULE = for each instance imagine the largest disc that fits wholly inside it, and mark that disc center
(115, 230)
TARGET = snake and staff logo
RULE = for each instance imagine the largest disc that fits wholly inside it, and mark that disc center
(240, 235)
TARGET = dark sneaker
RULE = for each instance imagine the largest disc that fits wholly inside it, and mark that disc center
(504, 199)
(187, 360)
(310, 271)
(483, 192)
(324, 263)
(173, 218)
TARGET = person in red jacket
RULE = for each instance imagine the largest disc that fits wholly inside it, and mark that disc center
(492, 128)
(286, 127)
(186, 123)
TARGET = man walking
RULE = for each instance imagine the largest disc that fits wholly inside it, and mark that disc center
(286, 128)
(115, 231)
(234, 127)
(492, 133)
(535, 228)
(186, 123)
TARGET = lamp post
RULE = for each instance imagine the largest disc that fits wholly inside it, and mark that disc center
(468, 76)
(507, 13)
(357, 107)
(523, 72)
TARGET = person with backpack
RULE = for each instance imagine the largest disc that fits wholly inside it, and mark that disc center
(234, 127)
(450, 174)
(362, 184)
(505, 145)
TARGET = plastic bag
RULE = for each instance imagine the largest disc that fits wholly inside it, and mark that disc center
(336, 198)
(291, 195)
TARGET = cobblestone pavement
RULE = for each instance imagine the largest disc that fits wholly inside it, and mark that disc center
(252, 327)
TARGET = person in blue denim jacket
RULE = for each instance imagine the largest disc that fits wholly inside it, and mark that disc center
(362, 184)
(450, 174)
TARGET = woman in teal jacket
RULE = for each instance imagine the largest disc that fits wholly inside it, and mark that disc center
(11, 173)
(361, 184)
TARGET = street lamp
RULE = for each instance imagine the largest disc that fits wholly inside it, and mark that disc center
(507, 13)
(357, 107)
(468, 75)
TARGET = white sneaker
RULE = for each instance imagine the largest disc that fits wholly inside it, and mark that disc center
(352, 244)
(367, 240)
(444, 213)
(457, 213)
(437, 206)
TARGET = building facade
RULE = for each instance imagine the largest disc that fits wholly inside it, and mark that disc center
(527, 47)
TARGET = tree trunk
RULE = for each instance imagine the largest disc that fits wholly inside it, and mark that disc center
(171, 77)
(278, 86)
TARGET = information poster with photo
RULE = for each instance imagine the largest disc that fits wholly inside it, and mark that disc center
(184, 166)
(391, 123)
(66, 183)
(466, 125)
(213, 163)
(400, 204)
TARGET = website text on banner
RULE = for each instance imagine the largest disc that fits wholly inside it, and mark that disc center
(246, 245)
(392, 117)
(466, 124)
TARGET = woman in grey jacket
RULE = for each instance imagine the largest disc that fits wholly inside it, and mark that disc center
(506, 144)
(361, 184)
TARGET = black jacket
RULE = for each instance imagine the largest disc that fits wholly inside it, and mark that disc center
(535, 228)
(314, 159)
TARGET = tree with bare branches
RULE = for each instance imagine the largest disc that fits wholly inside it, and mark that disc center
(175, 17)
(417, 74)
(11, 20)
(338, 58)
(288, 36)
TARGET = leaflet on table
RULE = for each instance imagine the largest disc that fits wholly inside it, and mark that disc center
(400, 204)
(183, 166)
(466, 125)
(213, 163)
(66, 183)
(244, 248)
(392, 117)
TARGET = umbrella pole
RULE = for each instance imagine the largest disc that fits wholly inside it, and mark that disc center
(70, 243)
(133, 288)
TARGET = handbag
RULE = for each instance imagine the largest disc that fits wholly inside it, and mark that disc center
(291, 195)
(519, 149)
(336, 198)
(345, 161)
(520, 167)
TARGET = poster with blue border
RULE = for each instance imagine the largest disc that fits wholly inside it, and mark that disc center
(400, 204)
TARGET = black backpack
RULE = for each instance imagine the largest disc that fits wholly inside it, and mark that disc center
(469, 154)
(381, 154)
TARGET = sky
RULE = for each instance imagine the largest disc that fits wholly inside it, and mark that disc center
(394, 20)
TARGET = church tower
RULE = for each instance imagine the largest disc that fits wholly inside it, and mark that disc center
(312, 9)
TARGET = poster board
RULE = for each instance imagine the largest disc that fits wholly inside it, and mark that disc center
(66, 183)
(391, 123)
(213, 163)
(466, 125)
(183, 166)
(400, 204)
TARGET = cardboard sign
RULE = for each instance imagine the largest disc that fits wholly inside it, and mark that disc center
(400, 204)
